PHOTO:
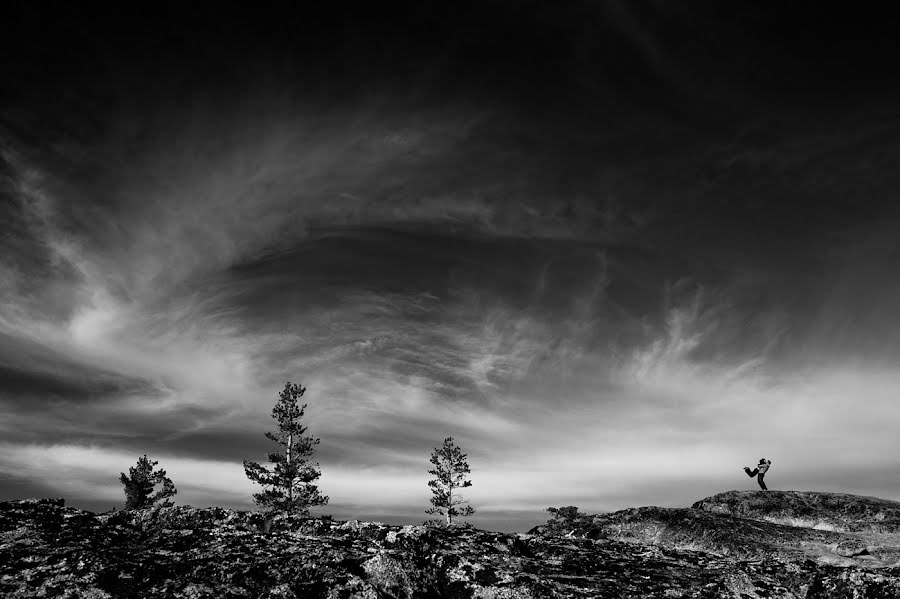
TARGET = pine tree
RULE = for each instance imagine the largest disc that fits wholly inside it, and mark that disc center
(141, 482)
(450, 470)
(290, 479)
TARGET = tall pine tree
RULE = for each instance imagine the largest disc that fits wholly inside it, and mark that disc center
(289, 482)
(450, 470)
(140, 484)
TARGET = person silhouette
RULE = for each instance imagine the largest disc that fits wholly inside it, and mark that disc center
(760, 472)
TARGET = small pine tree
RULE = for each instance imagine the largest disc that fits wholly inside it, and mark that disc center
(450, 470)
(141, 482)
(567, 521)
(569, 512)
(290, 480)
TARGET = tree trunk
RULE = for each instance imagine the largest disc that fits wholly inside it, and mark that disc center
(290, 482)
(450, 502)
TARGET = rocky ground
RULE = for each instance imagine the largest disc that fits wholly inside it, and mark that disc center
(736, 544)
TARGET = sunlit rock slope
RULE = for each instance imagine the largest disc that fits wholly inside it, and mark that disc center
(809, 509)
(729, 545)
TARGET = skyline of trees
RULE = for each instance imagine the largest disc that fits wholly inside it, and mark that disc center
(289, 482)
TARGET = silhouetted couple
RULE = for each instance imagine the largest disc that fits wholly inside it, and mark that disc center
(760, 472)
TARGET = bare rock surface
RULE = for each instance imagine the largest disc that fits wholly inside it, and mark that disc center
(49, 550)
(839, 512)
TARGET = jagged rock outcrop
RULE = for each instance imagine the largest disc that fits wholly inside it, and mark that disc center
(49, 550)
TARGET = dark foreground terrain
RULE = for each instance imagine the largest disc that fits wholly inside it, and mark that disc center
(735, 544)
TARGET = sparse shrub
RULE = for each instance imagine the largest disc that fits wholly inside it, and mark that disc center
(567, 520)
(569, 512)
(434, 523)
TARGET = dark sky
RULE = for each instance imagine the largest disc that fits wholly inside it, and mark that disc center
(617, 250)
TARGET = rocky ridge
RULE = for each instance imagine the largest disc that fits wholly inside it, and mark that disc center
(839, 512)
(828, 528)
(723, 546)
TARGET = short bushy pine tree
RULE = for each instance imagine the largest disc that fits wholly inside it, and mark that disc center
(450, 470)
(289, 482)
(140, 484)
(567, 520)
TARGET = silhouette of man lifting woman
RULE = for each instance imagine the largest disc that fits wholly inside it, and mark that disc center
(760, 472)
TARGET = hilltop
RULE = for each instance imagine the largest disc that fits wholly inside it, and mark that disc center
(734, 544)
(833, 528)
(840, 512)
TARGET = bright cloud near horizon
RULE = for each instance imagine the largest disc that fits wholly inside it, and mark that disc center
(611, 295)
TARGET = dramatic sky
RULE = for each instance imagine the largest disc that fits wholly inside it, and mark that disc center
(617, 250)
